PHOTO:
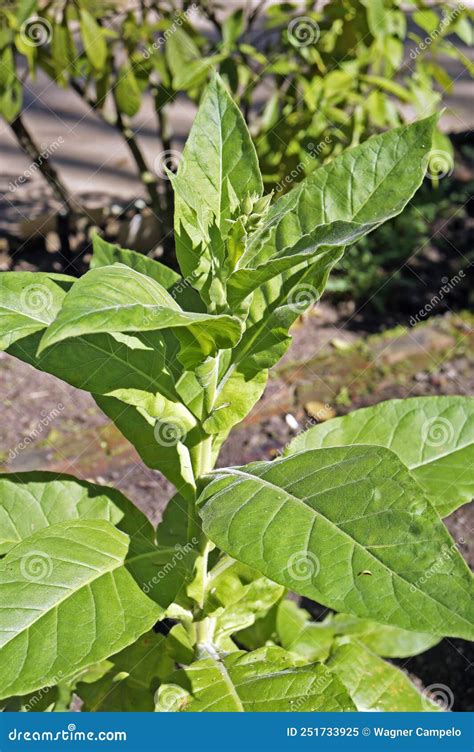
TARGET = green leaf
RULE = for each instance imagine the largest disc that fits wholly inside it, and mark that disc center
(433, 436)
(336, 234)
(266, 680)
(186, 63)
(35, 500)
(389, 642)
(29, 301)
(127, 91)
(394, 556)
(67, 601)
(296, 632)
(132, 679)
(219, 168)
(119, 299)
(95, 45)
(107, 254)
(369, 183)
(375, 685)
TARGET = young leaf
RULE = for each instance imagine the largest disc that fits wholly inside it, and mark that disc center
(132, 679)
(433, 436)
(370, 183)
(93, 38)
(381, 639)
(375, 685)
(218, 170)
(67, 601)
(297, 633)
(119, 299)
(266, 680)
(336, 234)
(394, 556)
(107, 254)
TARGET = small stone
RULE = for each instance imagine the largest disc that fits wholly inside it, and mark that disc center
(320, 411)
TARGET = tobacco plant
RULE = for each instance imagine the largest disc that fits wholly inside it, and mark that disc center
(195, 615)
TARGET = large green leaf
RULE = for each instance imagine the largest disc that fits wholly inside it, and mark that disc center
(35, 500)
(375, 685)
(433, 436)
(67, 601)
(370, 183)
(32, 501)
(119, 299)
(266, 680)
(218, 170)
(349, 528)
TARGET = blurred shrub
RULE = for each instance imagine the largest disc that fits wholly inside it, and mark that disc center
(311, 80)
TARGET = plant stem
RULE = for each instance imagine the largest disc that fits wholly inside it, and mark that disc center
(41, 161)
